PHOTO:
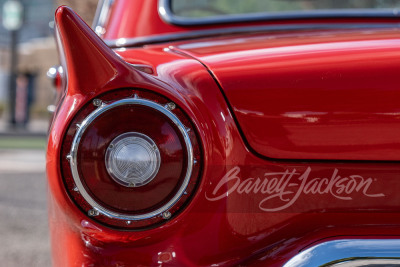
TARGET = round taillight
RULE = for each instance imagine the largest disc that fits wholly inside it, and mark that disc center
(131, 161)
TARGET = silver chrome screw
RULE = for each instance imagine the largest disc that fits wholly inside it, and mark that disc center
(170, 106)
(93, 212)
(166, 215)
(97, 102)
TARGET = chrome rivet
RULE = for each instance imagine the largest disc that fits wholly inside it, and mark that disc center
(166, 215)
(97, 102)
(187, 130)
(194, 161)
(185, 193)
(78, 126)
(75, 189)
(69, 157)
(170, 106)
(128, 222)
(110, 146)
(93, 212)
(136, 96)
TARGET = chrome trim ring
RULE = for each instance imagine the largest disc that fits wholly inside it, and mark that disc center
(87, 122)
(338, 252)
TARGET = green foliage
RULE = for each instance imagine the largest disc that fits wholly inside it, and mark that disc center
(17, 142)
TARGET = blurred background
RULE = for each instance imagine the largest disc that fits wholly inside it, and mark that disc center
(27, 51)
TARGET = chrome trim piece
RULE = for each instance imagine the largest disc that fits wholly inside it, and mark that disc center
(165, 12)
(95, 21)
(101, 16)
(52, 72)
(169, 37)
(337, 252)
(74, 155)
(51, 109)
(368, 262)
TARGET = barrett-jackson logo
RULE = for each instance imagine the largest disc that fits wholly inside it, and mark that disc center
(289, 185)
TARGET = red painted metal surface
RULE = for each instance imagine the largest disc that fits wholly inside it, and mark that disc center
(311, 95)
(302, 202)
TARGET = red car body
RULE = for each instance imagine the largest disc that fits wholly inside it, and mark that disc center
(294, 124)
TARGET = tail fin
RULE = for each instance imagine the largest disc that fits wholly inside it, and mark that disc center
(88, 62)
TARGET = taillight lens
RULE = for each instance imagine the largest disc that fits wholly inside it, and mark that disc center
(131, 159)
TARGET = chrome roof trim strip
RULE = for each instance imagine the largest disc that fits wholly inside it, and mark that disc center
(170, 37)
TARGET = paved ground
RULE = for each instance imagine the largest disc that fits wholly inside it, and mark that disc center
(24, 239)
(35, 127)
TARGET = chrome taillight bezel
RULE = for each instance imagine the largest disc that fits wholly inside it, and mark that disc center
(172, 206)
